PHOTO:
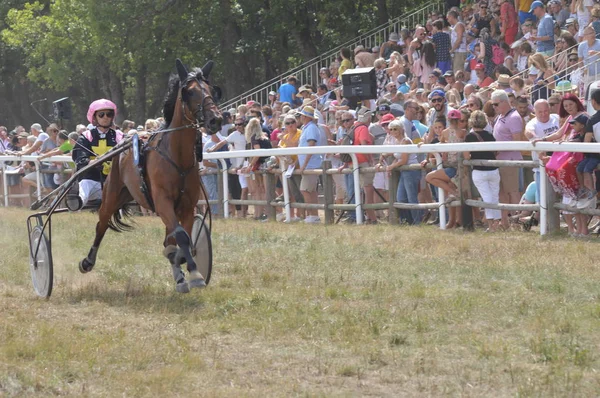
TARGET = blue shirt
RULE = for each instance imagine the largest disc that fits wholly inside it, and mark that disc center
(310, 132)
(546, 28)
(590, 61)
(286, 93)
(404, 88)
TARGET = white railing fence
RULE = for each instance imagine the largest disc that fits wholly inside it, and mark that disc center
(548, 208)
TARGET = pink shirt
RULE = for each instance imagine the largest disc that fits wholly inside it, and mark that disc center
(504, 129)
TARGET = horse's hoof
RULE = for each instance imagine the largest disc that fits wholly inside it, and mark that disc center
(182, 287)
(85, 266)
(197, 283)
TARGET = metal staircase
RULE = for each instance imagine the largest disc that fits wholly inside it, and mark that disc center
(308, 72)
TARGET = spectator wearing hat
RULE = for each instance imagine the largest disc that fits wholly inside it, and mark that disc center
(287, 91)
(507, 127)
(439, 107)
(403, 87)
(545, 29)
(503, 83)
(458, 40)
(311, 136)
(483, 80)
(387, 48)
(442, 43)
(363, 58)
(271, 98)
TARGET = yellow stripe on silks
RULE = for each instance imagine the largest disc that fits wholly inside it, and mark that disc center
(101, 149)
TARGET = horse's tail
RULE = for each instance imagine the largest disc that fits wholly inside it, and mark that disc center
(116, 222)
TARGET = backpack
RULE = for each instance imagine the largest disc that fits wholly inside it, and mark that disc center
(498, 54)
(347, 140)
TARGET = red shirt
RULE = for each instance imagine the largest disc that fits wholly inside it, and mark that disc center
(486, 82)
(361, 133)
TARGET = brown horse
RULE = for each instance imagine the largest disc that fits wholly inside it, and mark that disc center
(171, 174)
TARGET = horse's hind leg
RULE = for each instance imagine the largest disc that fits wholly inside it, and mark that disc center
(113, 198)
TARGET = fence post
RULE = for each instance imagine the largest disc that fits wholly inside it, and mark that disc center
(328, 192)
(225, 177)
(4, 184)
(393, 181)
(270, 194)
(357, 190)
(220, 196)
(464, 189)
(551, 222)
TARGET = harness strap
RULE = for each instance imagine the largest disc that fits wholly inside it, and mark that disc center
(182, 173)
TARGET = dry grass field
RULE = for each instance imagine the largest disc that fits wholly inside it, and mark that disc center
(303, 310)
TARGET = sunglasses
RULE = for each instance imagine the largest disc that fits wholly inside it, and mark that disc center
(553, 103)
(471, 105)
(438, 99)
(495, 104)
(346, 120)
(109, 114)
(573, 59)
(394, 129)
(239, 124)
(289, 123)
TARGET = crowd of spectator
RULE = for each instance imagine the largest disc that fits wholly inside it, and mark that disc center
(492, 70)
(21, 176)
(489, 70)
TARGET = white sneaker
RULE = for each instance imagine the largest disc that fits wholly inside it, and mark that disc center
(312, 220)
(293, 219)
(280, 217)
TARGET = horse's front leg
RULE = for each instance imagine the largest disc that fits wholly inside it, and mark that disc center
(172, 240)
(196, 278)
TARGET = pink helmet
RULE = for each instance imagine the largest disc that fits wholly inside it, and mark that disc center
(98, 105)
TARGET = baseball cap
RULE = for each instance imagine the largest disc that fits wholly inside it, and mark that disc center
(437, 93)
(386, 119)
(448, 73)
(401, 78)
(454, 114)
(535, 5)
(583, 119)
(479, 66)
(383, 108)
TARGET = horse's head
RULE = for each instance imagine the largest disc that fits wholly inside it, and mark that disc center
(199, 97)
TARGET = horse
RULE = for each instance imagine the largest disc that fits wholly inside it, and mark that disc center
(170, 177)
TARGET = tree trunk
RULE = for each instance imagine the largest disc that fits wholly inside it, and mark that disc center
(116, 96)
(139, 107)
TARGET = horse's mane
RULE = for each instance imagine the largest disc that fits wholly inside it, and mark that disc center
(173, 91)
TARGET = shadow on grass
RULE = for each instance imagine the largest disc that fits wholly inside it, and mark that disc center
(138, 297)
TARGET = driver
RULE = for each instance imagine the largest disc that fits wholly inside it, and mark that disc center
(94, 143)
